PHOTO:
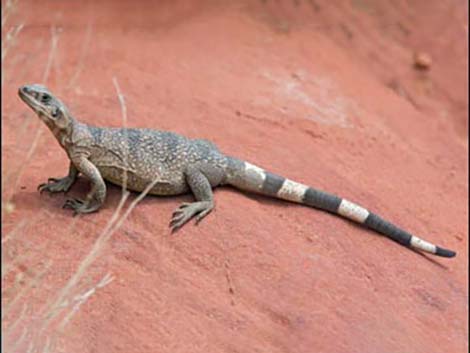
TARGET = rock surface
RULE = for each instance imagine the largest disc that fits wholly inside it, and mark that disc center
(319, 91)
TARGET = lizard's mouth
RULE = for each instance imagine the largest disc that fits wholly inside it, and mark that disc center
(30, 100)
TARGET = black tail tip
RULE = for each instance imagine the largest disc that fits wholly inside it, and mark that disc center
(444, 252)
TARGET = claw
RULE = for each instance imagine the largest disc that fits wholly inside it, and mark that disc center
(186, 211)
(67, 204)
(177, 216)
(55, 185)
(177, 212)
(174, 229)
(176, 219)
(81, 206)
(175, 224)
(73, 204)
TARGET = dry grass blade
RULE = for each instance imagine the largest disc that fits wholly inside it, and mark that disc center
(133, 204)
(19, 341)
(10, 235)
(10, 38)
(122, 103)
(48, 345)
(81, 299)
(7, 43)
(53, 309)
(7, 9)
(30, 284)
(14, 324)
(112, 226)
(50, 58)
(24, 165)
(23, 128)
(83, 53)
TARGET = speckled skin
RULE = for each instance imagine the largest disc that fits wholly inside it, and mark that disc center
(172, 164)
(134, 157)
(147, 155)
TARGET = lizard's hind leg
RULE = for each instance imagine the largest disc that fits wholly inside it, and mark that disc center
(200, 179)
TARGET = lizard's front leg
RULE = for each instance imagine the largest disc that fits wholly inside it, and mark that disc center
(60, 184)
(200, 179)
(97, 194)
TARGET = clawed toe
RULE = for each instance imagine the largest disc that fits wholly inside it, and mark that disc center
(186, 211)
(178, 219)
(73, 204)
(54, 185)
(80, 206)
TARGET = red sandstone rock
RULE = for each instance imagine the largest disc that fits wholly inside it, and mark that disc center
(284, 86)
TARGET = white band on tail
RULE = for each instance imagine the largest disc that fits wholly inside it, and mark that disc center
(292, 191)
(254, 170)
(352, 211)
(422, 245)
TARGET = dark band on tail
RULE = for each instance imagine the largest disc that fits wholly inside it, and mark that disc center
(249, 177)
(399, 235)
(321, 200)
(272, 184)
(334, 204)
(444, 252)
(378, 224)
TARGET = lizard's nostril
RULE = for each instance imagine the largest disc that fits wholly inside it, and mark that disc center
(23, 89)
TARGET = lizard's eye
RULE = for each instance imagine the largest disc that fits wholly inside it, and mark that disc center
(45, 98)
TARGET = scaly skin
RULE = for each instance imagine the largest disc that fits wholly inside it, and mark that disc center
(175, 164)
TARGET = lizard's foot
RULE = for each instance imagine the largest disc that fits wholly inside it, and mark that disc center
(56, 185)
(187, 211)
(81, 206)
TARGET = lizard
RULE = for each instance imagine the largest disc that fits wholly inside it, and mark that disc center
(172, 165)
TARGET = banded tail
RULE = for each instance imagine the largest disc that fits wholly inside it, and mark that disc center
(249, 177)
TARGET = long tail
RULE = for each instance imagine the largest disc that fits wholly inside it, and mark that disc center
(249, 177)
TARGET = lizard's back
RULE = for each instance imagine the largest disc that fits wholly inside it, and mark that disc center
(146, 155)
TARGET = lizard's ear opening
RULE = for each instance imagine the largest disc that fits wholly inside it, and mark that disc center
(55, 112)
(60, 117)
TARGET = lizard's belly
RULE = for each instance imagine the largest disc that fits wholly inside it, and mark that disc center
(134, 182)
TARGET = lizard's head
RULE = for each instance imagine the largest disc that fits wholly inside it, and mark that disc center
(49, 108)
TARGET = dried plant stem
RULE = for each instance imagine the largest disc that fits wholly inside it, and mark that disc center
(52, 51)
(83, 54)
(81, 299)
(23, 165)
(122, 103)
